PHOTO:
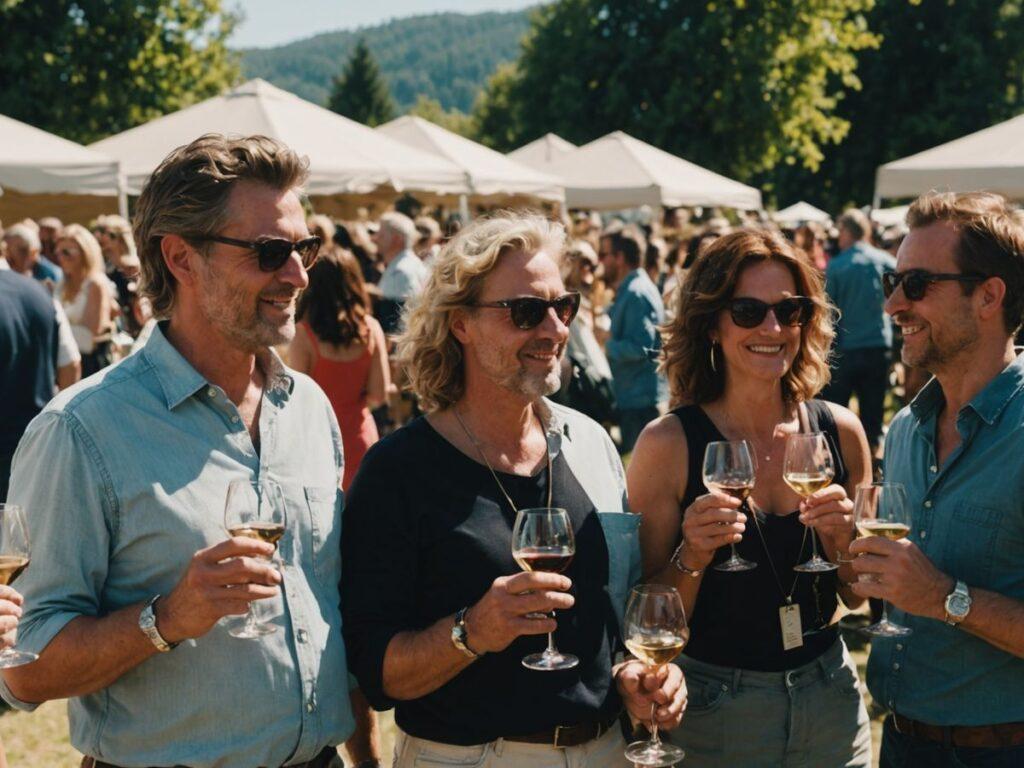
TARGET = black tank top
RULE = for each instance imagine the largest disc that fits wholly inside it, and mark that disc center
(735, 621)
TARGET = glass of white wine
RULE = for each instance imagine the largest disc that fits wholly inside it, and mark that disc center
(881, 509)
(656, 632)
(729, 468)
(542, 540)
(15, 554)
(808, 467)
(254, 510)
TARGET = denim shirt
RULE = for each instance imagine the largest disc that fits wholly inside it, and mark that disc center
(853, 281)
(636, 313)
(123, 478)
(968, 519)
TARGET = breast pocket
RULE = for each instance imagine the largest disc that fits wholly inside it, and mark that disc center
(971, 540)
(620, 532)
(325, 532)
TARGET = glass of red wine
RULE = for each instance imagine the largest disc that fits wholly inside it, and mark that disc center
(542, 540)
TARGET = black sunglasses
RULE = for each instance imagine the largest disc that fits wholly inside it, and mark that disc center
(273, 252)
(915, 282)
(529, 311)
(750, 313)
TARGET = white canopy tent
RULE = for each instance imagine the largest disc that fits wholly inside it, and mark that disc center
(890, 217)
(617, 172)
(489, 174)
(35, 162)
(344, 156)
(542, 153)
(991, 159)
(800, 213)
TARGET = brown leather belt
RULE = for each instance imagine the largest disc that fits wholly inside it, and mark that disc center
(323, 760)
(986, 736)
(562, 736)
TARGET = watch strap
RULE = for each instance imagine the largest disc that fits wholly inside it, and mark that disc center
(460, 634)
(147, 623)
(959, 591)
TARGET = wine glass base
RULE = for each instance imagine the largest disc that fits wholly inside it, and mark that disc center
(547, 662)
(886, 628)
(735, 565)
(654, 754)
(11, 658)
(816, 565)
(252, 632)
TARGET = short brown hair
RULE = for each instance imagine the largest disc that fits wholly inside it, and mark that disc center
(991, 241)
(709, 285)
(188, 193)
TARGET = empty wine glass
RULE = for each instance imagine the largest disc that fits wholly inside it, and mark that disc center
(542, 540)
(881, 509)
(15, 554)
(656, 632)
(255, 510)
(729, 468)
(808, 467)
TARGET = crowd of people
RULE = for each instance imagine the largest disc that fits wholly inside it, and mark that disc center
(407, 385)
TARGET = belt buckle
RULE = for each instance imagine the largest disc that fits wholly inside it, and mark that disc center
(555, 744)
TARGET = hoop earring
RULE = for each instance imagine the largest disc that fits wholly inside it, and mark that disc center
(712, 355)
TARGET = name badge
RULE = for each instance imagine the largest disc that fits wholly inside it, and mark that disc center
(792, 630)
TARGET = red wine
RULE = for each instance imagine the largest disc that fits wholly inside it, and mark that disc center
(546, 559)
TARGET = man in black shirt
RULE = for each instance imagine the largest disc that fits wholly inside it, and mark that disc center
(437, 615)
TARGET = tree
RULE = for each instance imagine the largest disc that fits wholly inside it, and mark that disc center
(85, 69)
(739, 86)
(452, 119)
(360, 92)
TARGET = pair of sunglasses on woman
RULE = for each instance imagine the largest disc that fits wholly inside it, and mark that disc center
(273, 252)
(528, 312)
(748, 312)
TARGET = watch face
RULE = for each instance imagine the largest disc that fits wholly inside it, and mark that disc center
(958, 605)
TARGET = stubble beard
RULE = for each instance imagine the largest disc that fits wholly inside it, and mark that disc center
(236, 320)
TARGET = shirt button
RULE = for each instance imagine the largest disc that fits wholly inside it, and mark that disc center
(896, 665)
(933, 468)
(928, 504)
(301, 634)
(234, 419)
(924, 534)
(899, 646)
(310, 706)
(211, 392)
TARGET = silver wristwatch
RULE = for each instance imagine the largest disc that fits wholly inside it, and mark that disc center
(958, 604)
(459, 635)
(147, 623)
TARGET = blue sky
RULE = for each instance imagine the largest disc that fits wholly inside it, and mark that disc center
(272, 22)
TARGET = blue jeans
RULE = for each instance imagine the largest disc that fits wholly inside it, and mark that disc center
(900, 750)
(632, 422)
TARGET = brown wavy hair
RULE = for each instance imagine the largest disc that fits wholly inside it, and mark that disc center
(335, 303)
(709, 286)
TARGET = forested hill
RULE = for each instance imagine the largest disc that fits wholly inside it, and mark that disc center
(446, 56)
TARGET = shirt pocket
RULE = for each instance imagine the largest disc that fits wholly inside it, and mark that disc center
(620, 533)
(971, 539)
(325, 531)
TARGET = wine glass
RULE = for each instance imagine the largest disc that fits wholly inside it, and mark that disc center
(656, 632)
(881, 509)
(254, 510)
(729, 468)
(808, 468)
(15, 554)
(542, 540)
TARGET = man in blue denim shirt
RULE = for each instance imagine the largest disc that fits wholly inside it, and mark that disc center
(955, 686)
(123, 478)
(636, 313)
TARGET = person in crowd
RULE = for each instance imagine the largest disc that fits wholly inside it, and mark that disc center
(635, 314)
(745, 355)
(86, 296)
(404, 273)
(114, 234)
(37, 356)
(809, 238)
(353, 237)
(125, 477)
(429, 242)
(342, 347)
(49, 228)
(954, 686)
(654, 262)
(438, 616)
(853, 281)
(22, 249)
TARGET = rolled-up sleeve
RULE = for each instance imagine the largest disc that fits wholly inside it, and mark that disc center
(378, 574)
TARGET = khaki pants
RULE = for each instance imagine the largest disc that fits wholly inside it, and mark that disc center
(604, 752)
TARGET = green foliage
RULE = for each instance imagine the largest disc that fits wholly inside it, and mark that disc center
(452, 119)
(946, 68)
(360, 92)
(446, 57)
(86, 69)
(738, 86)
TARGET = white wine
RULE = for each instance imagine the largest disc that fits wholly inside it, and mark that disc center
(887, 528)
(268, 532)
(544, 559)
(807, 483)
(738, 489)
(657, 649)
(11, 567)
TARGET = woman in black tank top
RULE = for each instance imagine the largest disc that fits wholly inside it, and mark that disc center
(745, 356)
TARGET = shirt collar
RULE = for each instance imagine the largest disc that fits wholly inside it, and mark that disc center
(556, 428)
(988, 403)
(179, 380)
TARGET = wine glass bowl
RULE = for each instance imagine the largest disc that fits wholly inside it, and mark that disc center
(15, 555)
(729, 467)
(807, 468)
(881, 509)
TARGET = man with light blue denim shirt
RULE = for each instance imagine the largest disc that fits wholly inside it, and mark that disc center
(955, 685)
(124, 477)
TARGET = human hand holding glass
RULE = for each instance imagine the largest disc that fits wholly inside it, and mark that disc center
(15, 554)
(881, 509)
(542, 540)
(807, 468)
(254, 510)
(655, 632)
(729, 468)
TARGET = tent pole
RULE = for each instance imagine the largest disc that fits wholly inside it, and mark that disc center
(122, 192)
(464, 208)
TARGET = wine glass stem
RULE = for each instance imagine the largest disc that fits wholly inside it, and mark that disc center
(733, 548)
(655, 739)
(885, 613)
(814, 545)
